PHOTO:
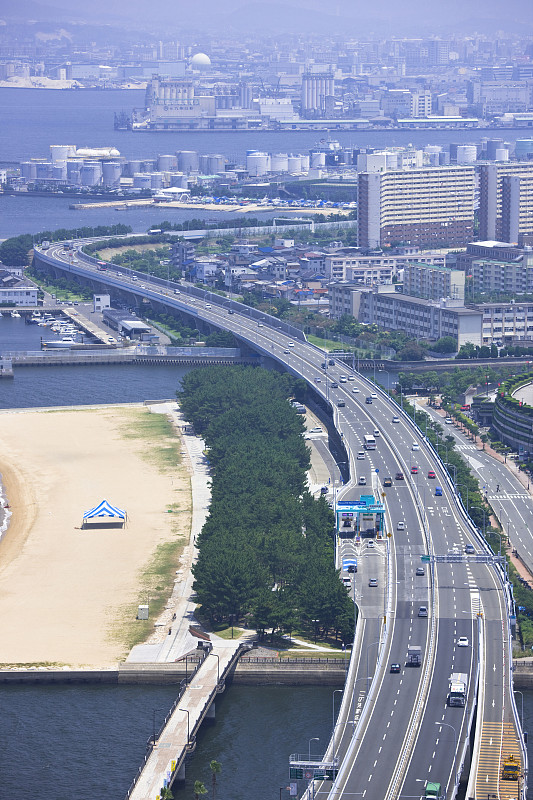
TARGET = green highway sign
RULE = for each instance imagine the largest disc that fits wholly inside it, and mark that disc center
(425, 559)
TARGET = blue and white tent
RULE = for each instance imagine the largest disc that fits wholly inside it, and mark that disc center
(105, 510)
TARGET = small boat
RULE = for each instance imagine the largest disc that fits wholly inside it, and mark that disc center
(59, 344)
(15, 314)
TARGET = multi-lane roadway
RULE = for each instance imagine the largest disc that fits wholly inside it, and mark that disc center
(395, 731)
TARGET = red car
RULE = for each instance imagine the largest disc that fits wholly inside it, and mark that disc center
(431, 474)
(414, 470)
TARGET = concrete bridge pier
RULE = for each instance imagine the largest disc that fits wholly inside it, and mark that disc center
(210, 712)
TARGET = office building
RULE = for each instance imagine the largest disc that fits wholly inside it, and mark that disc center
(429, 206)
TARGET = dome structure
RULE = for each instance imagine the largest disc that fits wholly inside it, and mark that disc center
(200, 61)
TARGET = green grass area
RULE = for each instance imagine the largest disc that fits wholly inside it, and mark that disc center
(155, 585)
(165, 446)
(230, 633)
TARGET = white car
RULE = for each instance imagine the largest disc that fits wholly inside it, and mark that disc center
(400, 526)
(415, 446)
(374, 396)
(462, 641)
(362, 481)
(208, 305)
(291, 344)
(355, 390)
(351, 378)
(448, 421)
(396, 419)
(360, 455)
(316, 429)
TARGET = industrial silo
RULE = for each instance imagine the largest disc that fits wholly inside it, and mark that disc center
(111, 173)
(203, 164)
(304, 160)
(501, 154)
(28, 170)
(188, 161)
(318, 159)
(178, 179)
(59, 171)
(257, 164)
(44, 170)
(216, 163)
(279, 162)
(60, 152)
(142, 180)
(166, 163)
(91, 173)
(523, 149)
(148, 164)
(294, 163)
(466, 154)
(132, 167)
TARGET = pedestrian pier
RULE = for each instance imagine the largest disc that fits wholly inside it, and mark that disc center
(168, 749)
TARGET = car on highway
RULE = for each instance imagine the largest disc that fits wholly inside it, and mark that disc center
(462, 641)
(448, 421)
(414, 470)
(415, 446)
(331, 362)
(431, 474)
(231, 311)
(334, 385)
(373, 582)
(420, 571)
(355, 390)
(362, 481)
(422, 611)
(259, 324)
(438, 491)
(374, 396)
(208, 305)
(400, 526)
(291, 344)
(395, 667)
(324, 490)
(360, 455)
(368, 401)
(316, 429)
(341, 403)
(396, 419)
(370, 543)
(399, 476)
(347, 582)
(470, 549)
(317, 380)
(351, 378)
(387, 482)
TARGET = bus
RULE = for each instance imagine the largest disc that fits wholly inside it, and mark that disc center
(370, 442)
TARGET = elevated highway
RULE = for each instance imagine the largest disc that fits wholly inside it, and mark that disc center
(395, 731)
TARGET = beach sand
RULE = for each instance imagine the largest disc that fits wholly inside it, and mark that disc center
(66, 592)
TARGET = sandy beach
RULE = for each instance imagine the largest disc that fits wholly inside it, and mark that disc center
(69, 593)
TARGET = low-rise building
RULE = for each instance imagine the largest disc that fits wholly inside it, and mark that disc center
(433, 282)
(18, 293)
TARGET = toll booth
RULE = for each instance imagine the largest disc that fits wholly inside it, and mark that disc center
(359, 518)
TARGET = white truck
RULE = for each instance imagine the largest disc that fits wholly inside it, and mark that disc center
(458, 689)
(414, 656)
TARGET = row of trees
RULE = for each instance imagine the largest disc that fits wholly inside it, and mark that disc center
(451, 384)
(470, 350)
(14, 252)
(266, 549)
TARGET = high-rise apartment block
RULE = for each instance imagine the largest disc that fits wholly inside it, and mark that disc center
(505, 201)
(428, 206)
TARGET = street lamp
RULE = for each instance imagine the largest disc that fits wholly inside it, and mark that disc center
(188, 725)
(454, 738)
(447, 465)
(314, 739)
(465, 487)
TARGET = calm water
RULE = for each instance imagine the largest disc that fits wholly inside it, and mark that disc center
(33, 119)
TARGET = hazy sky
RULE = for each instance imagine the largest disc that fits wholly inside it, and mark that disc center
(381, 17)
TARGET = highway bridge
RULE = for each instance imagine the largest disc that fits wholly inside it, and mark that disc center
(395, 733)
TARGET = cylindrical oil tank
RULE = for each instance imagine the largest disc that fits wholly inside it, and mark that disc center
(178, 179)
(294, 163)
(60, 152)
(501, 154)
(523, 149)
(279, 162)
(318, 160)
(133, 167)
(257, 164)
(59, 171)
(148, 165)
(111, 173)
(305, 162)
(142, 180)
(216, 164)
(44, 170)
(491, 146)
(203, 164)
(188, 161)
(156, 180)
(466, 153)
(28, 170)
(73, 165)
(166, 163)
(91, 173)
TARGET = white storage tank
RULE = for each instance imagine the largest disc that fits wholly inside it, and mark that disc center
(133, 167)
(60, 152)
(178, 179)
(501, 154)
(111, 173)
(148, 165)
(44, 170)
(318, 160)
(305, 162)
(156, 180)
(294, 163)
(166, 163)
(59, 171)
(466, 153)
(216, 163)
(279, 162)
(257, 163)
(142, 180)
(28, 170)
(188, 161)
(203, 164)
(91, 173)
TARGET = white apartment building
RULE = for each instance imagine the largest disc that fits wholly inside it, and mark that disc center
(20, 295)
(433, 282)
(506, 322)
(370, 269)
(511, 277)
